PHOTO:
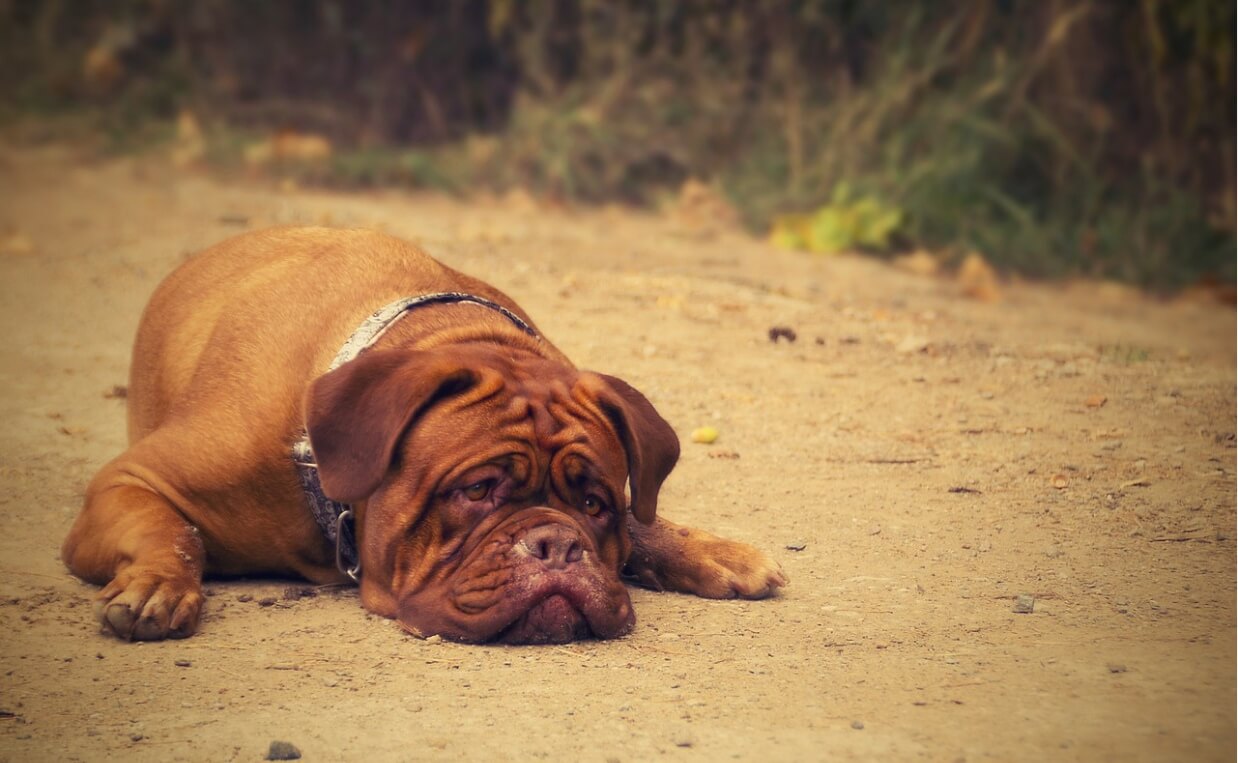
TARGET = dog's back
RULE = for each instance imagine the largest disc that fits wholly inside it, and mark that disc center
(264, 309)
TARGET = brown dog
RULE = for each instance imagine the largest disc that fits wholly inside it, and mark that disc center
(484, 475)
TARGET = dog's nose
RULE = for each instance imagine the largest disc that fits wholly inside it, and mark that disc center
(555, 545)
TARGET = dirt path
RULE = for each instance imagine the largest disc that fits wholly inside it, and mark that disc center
(915, 460)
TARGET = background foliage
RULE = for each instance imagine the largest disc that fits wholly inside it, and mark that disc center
(1092, 137)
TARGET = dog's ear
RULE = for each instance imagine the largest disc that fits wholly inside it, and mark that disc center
(651, 445)
(356, 414)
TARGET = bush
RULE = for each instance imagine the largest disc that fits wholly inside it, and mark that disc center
(1057, 138)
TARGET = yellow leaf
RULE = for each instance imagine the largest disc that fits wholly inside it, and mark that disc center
(704, 435)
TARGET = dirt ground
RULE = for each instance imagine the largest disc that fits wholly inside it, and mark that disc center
(916, 460)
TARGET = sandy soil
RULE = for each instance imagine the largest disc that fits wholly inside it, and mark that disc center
(916, 461)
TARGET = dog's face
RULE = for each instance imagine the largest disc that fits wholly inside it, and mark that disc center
(490, 489)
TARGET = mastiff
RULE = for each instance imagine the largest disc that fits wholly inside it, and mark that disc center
(336, 404)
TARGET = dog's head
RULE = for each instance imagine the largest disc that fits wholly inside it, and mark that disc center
(490, 488)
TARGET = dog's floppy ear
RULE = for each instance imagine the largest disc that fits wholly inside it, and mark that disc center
(357, 413)
(651, 445)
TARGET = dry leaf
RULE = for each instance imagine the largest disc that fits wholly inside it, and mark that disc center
(918, 262)
(289, 146)
(701, 209)
(190, 145)
(978, 279)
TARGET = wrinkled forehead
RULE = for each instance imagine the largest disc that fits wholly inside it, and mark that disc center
(563, 413)
(538, 405)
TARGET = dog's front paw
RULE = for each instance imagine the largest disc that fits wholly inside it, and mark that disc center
(144, 605)
(674, 558)
(727, 570)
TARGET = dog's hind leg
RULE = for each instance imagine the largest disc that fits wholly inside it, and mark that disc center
(669, 557)
(151, 559)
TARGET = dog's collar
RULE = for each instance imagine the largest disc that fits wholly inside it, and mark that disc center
(335, 519)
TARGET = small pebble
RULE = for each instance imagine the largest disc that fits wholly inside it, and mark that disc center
(1024, 605)
(781, 332)
(797, 545)
(266, 601)
(182, 663)
(245, 597)
(857, 725)
(1116, 667)
(283, 751)
(684, 741)
(135, 737)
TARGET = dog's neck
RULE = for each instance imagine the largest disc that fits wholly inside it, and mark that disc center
(435, 320)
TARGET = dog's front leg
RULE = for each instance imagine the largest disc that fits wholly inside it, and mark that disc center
(151, 559)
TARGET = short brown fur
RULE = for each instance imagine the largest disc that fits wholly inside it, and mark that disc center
(228, 369)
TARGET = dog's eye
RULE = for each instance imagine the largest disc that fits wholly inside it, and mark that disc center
(478, 490)
(593, 505)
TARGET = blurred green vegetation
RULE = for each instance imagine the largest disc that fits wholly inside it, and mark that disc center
(1056, 137)
(846, 223)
